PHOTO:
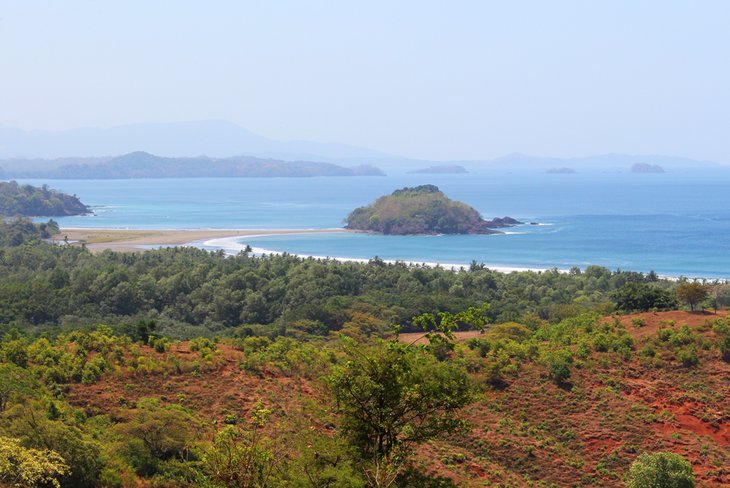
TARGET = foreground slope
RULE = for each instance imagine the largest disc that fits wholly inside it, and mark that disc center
(525, 427)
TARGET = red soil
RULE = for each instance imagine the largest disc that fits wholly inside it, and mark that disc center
(225, 390)
(586, 434)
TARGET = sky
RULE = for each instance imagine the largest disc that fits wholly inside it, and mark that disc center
(424, 79)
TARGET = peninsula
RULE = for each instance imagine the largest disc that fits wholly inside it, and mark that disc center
(33, 201)
(422, 210)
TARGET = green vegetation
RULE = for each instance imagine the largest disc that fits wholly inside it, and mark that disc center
(692, 294)
(16, 232)
(190, 292)
(422, 210)
(660, 470)
(31, 201)
(641, 297)
(376, 402)
(23, 467)
(393, 398)
(294, 375)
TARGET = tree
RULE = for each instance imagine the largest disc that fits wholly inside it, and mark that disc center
(692, 293)
(15, 382)
(642, 297)
(392, 397)
(27, 467)
(660, 470)
(79, 451)
(158, 433)
(242, 456)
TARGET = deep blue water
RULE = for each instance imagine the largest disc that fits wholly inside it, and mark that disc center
(673, 223)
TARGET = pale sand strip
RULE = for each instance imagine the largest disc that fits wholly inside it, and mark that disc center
(139, 240)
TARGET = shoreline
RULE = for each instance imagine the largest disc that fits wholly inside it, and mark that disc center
(229, 245)
(140, 240)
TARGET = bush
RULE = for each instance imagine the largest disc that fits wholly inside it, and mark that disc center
(638, 322)
(202, 343)
(558, 364)
(724, 346)
(660, 470)
(160, 344)
(688, 357)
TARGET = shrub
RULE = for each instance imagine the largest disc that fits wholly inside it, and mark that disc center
(638, 322)
(202, 343)
(558, 364)
(160, 344)
(688, 357)
(724, 346)
(660, 470)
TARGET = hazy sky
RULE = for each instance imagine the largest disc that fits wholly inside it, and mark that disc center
(440, 80)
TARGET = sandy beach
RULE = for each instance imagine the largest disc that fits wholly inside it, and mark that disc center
(127, 240)
(139, 240)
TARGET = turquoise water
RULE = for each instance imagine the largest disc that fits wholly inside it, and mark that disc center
(673, 223)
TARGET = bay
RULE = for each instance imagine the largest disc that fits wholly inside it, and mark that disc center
(673, 223)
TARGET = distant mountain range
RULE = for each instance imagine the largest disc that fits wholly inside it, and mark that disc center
(220, 140)
(144, 165)
(217, 139)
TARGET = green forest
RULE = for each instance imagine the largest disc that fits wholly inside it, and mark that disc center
(31, 201)
(181, 367)
(194, 292)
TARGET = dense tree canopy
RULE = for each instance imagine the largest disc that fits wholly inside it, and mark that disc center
(31, 201)
(190, 292)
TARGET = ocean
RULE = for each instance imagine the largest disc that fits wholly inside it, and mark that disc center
(677, 223)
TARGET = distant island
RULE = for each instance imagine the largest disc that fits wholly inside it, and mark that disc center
(560, 171)
(33, 201)
(422, 210)
(646, 168)
(432, 170)
(144, 165)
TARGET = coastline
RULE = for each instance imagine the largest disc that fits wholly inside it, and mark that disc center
(230, 245)
(140, 240)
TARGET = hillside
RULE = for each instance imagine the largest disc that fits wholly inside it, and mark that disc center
(422, 210)
(541, 385)
(526, 426)
(587, 430)
(144, 165)
(31, 201)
